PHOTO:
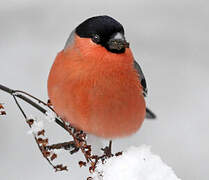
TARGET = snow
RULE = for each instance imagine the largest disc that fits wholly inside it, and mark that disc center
(50, 116)
(137, 163)
(37, 126)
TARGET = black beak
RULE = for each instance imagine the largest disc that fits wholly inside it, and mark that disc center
(117, 44)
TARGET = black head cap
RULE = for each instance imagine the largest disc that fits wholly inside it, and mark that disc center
(100, 29)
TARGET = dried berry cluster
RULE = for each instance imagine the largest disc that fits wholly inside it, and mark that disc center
(81, 143)
(42, 142)
(2, 111)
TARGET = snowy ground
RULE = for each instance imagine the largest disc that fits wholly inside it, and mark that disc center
(169, 39)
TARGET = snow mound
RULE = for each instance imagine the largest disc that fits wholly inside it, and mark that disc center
(137, 163)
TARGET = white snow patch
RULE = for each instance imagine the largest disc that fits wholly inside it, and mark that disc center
(36, 127)
(137, 163)
(50, 116)
(57, 151)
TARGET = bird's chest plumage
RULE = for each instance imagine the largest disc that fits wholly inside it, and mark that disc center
(99, 95)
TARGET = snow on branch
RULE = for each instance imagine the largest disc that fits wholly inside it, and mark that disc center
(137, 163)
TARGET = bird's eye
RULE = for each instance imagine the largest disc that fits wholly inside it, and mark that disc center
(96, 38)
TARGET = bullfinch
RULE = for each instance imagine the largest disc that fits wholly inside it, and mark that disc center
(95, 83)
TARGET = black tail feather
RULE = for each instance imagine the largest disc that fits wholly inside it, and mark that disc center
(150, 114)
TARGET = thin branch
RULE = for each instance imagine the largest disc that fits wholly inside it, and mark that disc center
(65, 145)
(40, 101)
(6, 89)
(18, 105)
(14, 93)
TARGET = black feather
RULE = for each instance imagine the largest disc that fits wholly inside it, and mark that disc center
(141, 78)
(150, 114)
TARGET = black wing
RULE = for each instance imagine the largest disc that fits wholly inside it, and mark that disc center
(149, 113)
(141, 78)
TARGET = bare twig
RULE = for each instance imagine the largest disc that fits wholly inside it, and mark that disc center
(29, 101)
(18, 105)
(65, 145)
(40, 101)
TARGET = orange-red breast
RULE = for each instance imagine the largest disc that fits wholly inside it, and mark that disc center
(95, 83)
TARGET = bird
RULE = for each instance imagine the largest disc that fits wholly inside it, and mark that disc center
(96, 84)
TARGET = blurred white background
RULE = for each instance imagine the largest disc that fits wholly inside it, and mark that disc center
(169, 40)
